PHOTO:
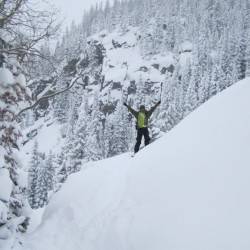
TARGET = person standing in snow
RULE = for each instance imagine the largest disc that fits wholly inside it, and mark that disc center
(142, 116)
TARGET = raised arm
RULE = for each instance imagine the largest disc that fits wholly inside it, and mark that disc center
(150, 112)
(133, 112)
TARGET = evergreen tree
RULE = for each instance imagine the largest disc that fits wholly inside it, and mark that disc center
(94, 129)
(42, 187)
(33, 176)
(50, 172)
(116, 134)
(13, 96)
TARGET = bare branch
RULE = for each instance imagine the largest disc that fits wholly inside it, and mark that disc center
(50, 96)
(31, 52)
(6, 16)
(25, 26)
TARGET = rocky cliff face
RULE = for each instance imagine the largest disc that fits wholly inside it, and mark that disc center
(110, 71)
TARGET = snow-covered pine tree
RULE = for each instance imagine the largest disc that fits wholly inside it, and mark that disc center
(77, 147)
(192, 99)
(22, 28)
(94, 138)
(77, 151)
(42, 184)
(33, 176)
(116, 134)
(13, 96)
(50, 172)
(61, 171)
(42, 179)
(247, 32)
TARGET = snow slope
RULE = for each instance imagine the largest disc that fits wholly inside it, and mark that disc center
(188, 190)
(48, 137)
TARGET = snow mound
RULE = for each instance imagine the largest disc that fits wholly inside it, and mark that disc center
(5, 185)
(21, 80)
(189, 190)
(6, 77)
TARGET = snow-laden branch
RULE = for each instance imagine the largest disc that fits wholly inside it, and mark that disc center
(73, 81)
(5, 16)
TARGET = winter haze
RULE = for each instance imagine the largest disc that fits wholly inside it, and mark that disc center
(72, 10)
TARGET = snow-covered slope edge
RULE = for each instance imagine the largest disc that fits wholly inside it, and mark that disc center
(188, 190)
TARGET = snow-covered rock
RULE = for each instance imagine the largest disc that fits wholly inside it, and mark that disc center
(188, 190)
(126, 67)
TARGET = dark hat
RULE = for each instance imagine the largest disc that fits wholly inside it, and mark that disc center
(142, 107)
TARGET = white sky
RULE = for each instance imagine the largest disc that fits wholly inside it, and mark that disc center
(73, 9)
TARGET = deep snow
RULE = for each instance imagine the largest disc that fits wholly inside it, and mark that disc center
(188, 190)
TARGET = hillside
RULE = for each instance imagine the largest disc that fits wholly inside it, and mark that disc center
(63, 94)
(136, 52)
(126, 77)
(188, 190)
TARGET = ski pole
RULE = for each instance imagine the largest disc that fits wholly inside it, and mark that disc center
(161, 90)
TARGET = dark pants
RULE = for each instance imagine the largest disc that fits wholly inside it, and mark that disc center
(141, 132)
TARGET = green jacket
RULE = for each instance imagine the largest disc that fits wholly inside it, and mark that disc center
(148, 113)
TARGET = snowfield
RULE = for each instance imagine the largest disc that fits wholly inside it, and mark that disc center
(187, 191)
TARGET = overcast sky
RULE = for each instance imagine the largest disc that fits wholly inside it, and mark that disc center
(73, 9)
